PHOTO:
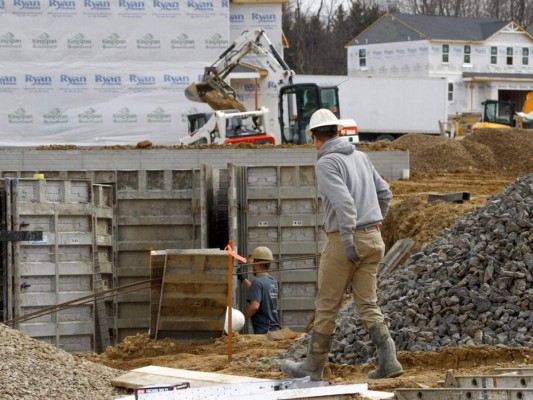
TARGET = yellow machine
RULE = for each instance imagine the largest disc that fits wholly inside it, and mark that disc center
(501, 114)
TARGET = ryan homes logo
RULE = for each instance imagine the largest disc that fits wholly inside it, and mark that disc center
(236, 19)
(200, 5)
(97, 5)
(9, 40)
(79, 41)
(176, 81)
(200, 9)
(62, 5)
(141, 82)
(55, 116)
(44, 41)
(113, 41)
(107, 83)
(126, 6)
(159, 116)
(148, 42)
(36, 82)
(264, 19)
(73, 83)
(182, 41)
(8, 83)
(166, 6)
(216, 42)
(27, 5)
(20, 116)
(90, 116)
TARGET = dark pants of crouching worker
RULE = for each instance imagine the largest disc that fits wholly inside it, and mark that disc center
(336, 272)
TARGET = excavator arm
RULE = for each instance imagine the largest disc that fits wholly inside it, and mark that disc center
(215, 91)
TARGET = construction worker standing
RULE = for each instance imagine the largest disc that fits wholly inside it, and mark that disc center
(356, 199)
(262, 294)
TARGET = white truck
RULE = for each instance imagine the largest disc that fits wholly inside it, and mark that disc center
(386, 108)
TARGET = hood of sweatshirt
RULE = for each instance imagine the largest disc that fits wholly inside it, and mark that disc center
(335, 145)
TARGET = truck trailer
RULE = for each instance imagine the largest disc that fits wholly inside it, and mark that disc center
(386, 108)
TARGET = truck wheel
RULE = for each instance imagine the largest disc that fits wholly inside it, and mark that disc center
(387, 138)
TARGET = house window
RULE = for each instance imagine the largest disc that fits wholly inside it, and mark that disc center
(509, 56)
(525, 56)
(450, 91)
(362, 58)
(494, 55)
(445, 53)
(467, 51)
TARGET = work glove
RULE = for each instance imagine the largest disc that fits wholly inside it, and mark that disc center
(241, 276)
(351, 252)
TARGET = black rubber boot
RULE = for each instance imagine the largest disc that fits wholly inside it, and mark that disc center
(388, 364)
(317, 355)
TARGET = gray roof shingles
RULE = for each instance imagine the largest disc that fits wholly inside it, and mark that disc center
(428, 27)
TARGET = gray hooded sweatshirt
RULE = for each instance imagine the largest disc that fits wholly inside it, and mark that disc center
(354, 194)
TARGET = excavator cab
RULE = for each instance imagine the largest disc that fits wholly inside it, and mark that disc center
(297, 102)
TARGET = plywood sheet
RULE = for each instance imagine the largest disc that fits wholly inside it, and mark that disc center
(152, 375)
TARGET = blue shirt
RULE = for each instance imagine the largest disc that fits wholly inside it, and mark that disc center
(264, 290)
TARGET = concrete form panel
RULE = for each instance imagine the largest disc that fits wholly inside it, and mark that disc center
(281, 210)
(14, 161)
(63, 211)
(156, 210)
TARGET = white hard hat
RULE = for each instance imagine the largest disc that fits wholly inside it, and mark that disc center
(261, 253)
(323, 117)
(237, 320)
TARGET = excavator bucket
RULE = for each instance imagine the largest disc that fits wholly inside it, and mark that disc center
(205, 93)
(196, 91)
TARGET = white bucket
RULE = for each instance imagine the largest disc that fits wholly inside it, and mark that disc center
(237, 320)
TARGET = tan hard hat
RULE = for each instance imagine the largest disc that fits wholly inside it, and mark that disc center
(261, 253)
(323, 117)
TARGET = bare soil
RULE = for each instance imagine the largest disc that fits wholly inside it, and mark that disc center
(251, 355)
(481, 164)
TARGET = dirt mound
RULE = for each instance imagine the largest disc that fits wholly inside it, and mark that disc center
(512, 149)
(419, 220)
(495, 150)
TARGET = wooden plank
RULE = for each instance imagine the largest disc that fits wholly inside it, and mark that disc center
(197, 287)
(179, 311)
(194, 278)
(153, 375)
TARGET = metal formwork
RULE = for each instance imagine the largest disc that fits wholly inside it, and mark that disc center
(58, 268)
(511, 384)
(156, 210)
(279, 207)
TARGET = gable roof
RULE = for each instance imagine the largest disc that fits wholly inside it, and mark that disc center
(399, 27)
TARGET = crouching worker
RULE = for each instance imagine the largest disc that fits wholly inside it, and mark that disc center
(356, 199)
(262, 294)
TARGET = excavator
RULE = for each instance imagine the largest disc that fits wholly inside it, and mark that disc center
(502, 114)
(297, 102)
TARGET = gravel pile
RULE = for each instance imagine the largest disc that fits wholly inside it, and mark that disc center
(31, 369)
(473, 285)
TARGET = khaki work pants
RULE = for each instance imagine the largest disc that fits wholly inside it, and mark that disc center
(335, 274)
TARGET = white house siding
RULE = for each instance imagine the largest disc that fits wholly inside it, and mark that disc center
(391, 59)
(424, 58)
